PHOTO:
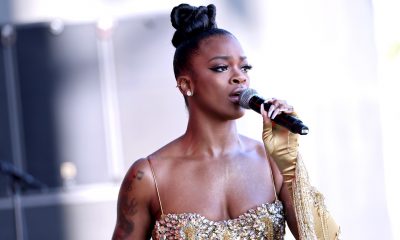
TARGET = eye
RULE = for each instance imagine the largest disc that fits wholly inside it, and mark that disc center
(246, 68)
(221, 68)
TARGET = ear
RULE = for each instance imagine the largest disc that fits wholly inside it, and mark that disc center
(185, 84)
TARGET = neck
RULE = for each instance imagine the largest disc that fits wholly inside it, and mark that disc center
(210, 137)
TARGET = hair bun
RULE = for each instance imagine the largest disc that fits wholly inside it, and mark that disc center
(189, 21)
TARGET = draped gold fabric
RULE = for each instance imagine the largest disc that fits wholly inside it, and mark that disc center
(313, 218)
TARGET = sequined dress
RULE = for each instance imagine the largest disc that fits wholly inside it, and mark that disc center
(262, 222)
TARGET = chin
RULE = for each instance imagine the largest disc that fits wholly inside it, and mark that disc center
(242, 113)
(239, 113)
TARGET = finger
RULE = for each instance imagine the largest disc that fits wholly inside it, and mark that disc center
(282, 109)
(278, 102)
(267, 134)
(270, 100)
(276, 113)
(263, 112)
(283, 106)
(271, 110)
(265, 116)
(276, 109)
(288, 109)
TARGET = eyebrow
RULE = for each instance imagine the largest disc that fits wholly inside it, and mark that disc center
(226, 58)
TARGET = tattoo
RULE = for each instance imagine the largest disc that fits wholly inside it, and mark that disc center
(128, 181)
(127, 185)
(127, 207)
(139, 175)
(131, 207)
(124, 227)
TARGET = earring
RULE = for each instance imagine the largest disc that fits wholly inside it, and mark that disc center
(189, 93)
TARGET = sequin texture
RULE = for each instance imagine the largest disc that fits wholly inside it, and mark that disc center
(263, 222)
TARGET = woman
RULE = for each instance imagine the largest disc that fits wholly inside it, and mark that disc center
(212, 183)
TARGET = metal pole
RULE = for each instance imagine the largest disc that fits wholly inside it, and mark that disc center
(109, 93)
(18, 214)
(14, 109)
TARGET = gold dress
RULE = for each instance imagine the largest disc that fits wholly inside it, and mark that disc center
(266, 222)
(263, 222)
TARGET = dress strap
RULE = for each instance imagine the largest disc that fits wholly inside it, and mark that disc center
(272, 176)
(155, 183)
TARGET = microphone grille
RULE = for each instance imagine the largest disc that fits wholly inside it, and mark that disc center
(245, 96)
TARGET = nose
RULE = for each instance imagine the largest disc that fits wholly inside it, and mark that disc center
(238, 79)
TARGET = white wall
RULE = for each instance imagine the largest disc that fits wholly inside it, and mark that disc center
(322, 57)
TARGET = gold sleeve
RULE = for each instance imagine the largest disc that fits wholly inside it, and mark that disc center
(313, 218)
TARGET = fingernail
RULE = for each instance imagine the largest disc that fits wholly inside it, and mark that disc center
(270, 110)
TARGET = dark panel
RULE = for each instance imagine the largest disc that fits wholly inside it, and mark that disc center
(62, 221)
(7, 230)
(38, 78)
(44, 222)
(52, 70)
(51, 224)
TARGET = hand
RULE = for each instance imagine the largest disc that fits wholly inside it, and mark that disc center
(280, 143)
(277, 106)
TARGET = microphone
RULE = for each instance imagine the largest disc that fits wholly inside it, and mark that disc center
(249, 99)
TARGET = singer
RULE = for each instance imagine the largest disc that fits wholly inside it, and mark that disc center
(212, 182)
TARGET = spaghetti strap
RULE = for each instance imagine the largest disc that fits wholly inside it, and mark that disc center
(272, 177)
(155, 183)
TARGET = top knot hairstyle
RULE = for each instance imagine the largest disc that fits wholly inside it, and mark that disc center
(192, 25)
(190, 21)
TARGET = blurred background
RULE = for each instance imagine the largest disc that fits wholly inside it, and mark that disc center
(82, 81)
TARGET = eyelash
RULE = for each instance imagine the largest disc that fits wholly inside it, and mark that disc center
(223, 68)
(247, 68)
(220, 68)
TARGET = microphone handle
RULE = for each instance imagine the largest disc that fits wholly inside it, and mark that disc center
(292, 123)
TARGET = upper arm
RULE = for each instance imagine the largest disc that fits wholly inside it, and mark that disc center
(134, 200)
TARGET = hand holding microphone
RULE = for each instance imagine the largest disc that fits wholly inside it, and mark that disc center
(280, 144)
(278, 111)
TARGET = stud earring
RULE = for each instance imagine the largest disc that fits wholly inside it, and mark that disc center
(189, 93)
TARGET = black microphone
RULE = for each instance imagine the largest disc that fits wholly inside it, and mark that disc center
(249, 99)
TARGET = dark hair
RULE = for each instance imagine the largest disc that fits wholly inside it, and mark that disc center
(192, 25)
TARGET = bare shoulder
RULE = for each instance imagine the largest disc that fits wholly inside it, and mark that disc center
(165, 154)
(138, 172)
(139, 181)
(253, 145)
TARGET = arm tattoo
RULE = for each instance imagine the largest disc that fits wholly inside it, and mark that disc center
(127, 207)
(139, 175)
(131, 207)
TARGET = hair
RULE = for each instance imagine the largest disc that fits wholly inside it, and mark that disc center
(192, 24)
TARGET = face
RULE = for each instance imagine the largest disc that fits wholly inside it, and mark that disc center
(218, 74)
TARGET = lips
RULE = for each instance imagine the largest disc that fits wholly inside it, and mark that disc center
(234, 96)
